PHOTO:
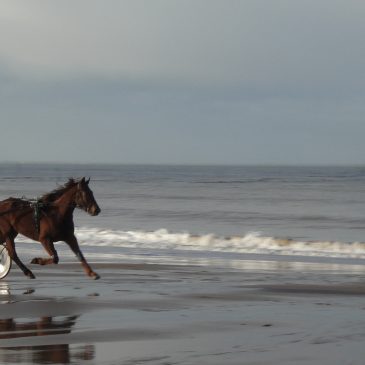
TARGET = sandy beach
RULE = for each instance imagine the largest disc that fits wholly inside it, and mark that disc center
(206, 158)
(161, 314)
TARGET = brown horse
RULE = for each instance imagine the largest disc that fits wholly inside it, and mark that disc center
(49, 221)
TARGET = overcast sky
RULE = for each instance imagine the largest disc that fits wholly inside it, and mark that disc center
(183, 81)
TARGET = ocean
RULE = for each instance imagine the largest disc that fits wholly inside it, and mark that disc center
(212, 215)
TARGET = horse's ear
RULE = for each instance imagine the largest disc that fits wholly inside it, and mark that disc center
(87, 181)
(81, 183)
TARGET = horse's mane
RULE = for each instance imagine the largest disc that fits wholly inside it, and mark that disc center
(56, 193)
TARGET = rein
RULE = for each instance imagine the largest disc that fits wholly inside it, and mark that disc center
(37, 205)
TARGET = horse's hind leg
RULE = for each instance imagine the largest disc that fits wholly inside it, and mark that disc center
(74, 245)
(10, 246)
(49, 247)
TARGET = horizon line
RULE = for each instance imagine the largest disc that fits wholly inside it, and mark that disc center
(248, 164)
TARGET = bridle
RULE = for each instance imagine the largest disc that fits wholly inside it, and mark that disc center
(79, 196)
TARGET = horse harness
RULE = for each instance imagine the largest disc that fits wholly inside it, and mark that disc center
(37, 206)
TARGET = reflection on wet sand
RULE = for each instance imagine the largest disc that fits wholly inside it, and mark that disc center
(45, 354)
(4, 293)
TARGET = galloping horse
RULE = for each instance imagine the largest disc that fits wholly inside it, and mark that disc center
(47, 221)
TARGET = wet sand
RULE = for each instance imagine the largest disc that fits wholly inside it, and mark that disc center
(161, 314)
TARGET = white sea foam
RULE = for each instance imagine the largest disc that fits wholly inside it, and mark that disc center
(252, 242)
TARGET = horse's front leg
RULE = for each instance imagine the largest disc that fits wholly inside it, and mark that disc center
(49, 247)
(10, 246)
(74, 245)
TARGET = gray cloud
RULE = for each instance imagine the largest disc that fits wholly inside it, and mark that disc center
(214, 41)
(182, 81)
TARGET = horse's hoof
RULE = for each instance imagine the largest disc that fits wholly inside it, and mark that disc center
(95, 276)
(30, 275)
(35, 261)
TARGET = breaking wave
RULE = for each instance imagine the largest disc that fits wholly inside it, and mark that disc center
(252, 242)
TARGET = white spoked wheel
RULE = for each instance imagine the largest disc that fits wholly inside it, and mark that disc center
(5, 262)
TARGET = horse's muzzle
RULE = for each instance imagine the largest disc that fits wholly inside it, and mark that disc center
(94, 210)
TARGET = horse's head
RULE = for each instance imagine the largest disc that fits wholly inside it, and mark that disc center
(84, 198)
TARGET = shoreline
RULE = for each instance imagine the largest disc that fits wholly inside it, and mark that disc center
(176, 314)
